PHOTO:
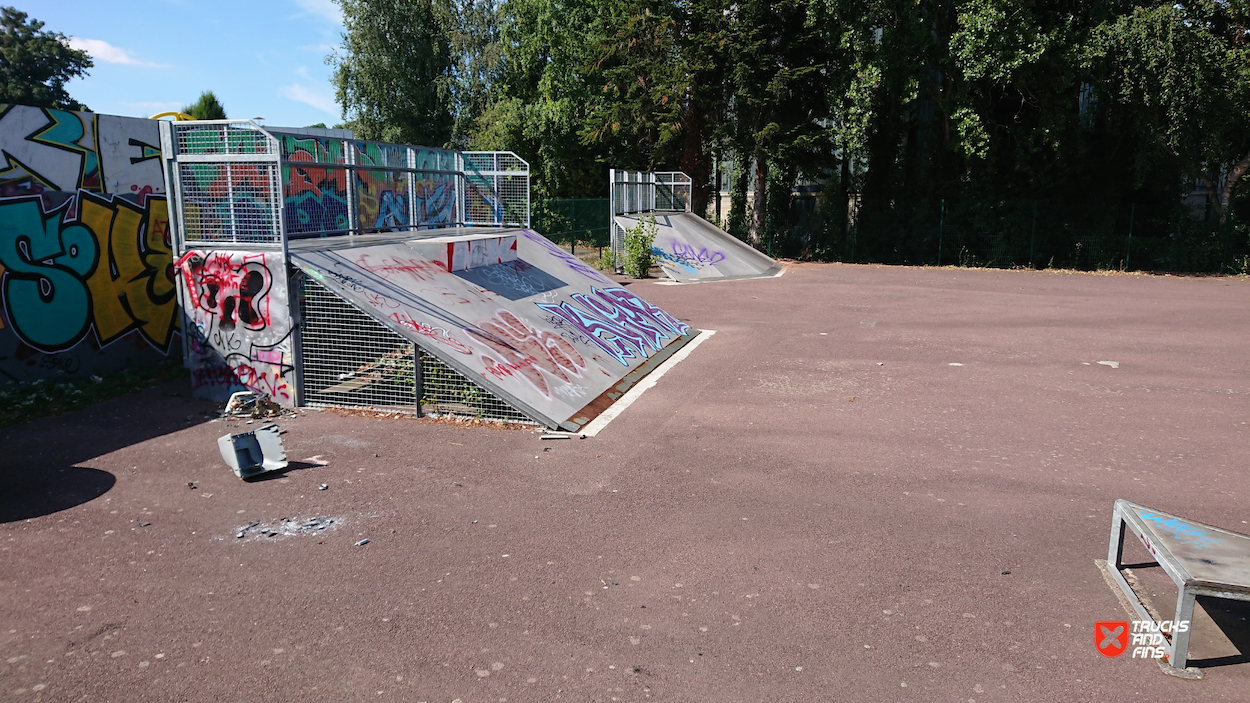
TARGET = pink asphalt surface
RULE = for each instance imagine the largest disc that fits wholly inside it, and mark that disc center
(744, 532)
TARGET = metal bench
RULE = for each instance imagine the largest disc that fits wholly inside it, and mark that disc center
(1201, 560)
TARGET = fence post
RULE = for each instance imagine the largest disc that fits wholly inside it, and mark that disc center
(1033, 234)
(1128, 252)
(1228, 235)
(941, 229)
(573, 228)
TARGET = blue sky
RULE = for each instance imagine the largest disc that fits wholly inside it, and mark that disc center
(263, 58)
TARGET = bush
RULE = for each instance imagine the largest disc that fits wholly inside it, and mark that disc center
(638, 241)
(607, 262)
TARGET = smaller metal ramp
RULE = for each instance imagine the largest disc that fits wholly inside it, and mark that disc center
(1200, 559)
(688, 248)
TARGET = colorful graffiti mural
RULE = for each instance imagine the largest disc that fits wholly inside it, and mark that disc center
(316, 195)
(240, 325)
(85, 254)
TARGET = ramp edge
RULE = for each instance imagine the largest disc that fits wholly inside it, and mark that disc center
(601, 420)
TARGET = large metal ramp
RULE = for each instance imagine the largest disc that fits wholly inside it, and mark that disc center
(688, 248)
(506, 308)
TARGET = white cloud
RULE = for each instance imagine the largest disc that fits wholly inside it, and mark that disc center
(322, 100)
(326, 9)
(106, 52)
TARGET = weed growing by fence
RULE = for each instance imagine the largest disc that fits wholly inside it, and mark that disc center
(638, 242)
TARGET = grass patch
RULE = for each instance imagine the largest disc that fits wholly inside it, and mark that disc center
(49, 397)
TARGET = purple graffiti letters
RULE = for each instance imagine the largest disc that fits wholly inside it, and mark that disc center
(619, 322)
(701, 256)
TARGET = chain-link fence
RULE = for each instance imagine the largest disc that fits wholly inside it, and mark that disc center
(574, 222)
(1020, 233)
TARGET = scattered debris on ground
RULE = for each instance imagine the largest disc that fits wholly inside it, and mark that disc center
(253, 405)
(456, 420)
(287, 527)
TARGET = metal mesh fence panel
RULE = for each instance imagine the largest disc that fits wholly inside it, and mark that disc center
(672, 191)
(230, 203)
(350, 359)
(447, 392)
(201, 139)
(496, 189)
(574, 221)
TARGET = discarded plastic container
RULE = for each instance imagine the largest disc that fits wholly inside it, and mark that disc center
(252, 453)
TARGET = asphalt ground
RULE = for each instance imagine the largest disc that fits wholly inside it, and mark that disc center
(817, 504)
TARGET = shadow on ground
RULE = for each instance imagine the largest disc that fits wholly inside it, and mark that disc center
(42, 459)
(1233, 618)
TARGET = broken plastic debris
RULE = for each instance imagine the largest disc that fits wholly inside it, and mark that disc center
(252, 453)
(323, 486)
(249, 404)
(1112, 364)
(361, 542)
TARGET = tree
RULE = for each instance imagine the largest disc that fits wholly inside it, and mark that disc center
(394, 77)
(206, 108)
(1182, 71)
(477, 58)
(659, 66)
(541, 96)
(781, 69)
(35, 65)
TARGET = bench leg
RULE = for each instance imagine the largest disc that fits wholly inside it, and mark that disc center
(1180, 640)
(1115, 550)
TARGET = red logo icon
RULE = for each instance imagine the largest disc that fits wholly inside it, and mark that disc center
(1111, 636)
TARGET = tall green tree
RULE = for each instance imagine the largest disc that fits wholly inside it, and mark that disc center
(477, 55)
(1181, 73)
(35, 64)
(660, 67)
(541, 97)
(780, 73)
(394, 75)
(207, 107)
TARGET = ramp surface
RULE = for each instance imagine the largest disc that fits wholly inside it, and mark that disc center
(689, 248)
(529, 322)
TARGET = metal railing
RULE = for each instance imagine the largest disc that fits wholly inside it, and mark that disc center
(632, 192)
(234, 182)
(496, 188)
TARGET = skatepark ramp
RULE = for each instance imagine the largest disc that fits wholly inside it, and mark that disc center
(687, 247)
(327, 271)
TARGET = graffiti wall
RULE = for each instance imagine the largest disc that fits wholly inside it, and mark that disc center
(86, 266)
(316, 195)
(239, 324)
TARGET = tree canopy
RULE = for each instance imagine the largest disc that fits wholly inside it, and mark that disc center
(894, 100)
(207, 107)
(35, 64)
